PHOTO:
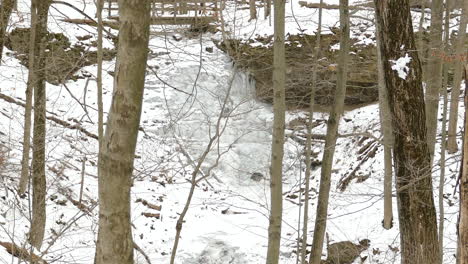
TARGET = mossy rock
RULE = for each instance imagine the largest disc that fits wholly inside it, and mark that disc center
(63, 60)
(258, 60)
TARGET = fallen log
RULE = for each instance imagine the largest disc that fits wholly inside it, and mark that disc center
(89, 22)
(22, 253)
(331, 6)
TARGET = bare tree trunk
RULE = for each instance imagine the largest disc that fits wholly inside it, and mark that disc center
(33, 52)
(421, 45)
(386, 130)
(267, 8)
(443, 144)
(253, 10)
(115, 243)
(330, 141)
(417, 216)
(39, 131)
(434, 75)
(452, 146)
(443, 139)
(308, 160)
(463, 224)
(277, 148)
(5, 12)
(100, 5)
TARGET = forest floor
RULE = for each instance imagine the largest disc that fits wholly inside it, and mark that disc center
(188, 80)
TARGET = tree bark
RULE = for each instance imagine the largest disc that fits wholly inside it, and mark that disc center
(421, 45)
(463, 224)
(434, 75)
(277, 148)
(330, 141)
(443, 144)
(115, 244)
(308, 160)
(100, 5)
(33, 51)
(417, 216)
(5, 12)
(36, 234)
(452, 146)
(253, 10)
(386, 130)
(100, 27)
(267, 8)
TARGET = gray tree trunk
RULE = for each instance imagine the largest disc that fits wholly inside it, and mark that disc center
(277, 148)
(33, 52)
(330, 141)
(417, 219)
(100, 5)
(115, 243)
(253, 10)
(386, 130)
(452, 146)
(421, 45)
(36, 234)
(462, 255)
(443, 144)
(308, 159)
(5, 12)
(267, 8)
(434, 74)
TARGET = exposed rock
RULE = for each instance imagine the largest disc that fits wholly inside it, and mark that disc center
(257, 59)
(257, 176)
(63, 59)
(345, 252)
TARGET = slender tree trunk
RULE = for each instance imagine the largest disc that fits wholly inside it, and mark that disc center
(267, 8)
(253, 10)
(386, 130)
(330, 141)
(33, 51)
(39, 131)
(443, 144)
(452, 146)
(434, 74)
(115, 243)
(277, 148)
(5, 12)
(100, 4)
(417, 216)
(99, 7)
(421, 45)
(308, 160)
(463, 224)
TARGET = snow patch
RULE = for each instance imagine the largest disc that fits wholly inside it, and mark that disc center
(400, 66)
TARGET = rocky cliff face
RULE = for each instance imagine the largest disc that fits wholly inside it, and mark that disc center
(256, 56)
(63, 59)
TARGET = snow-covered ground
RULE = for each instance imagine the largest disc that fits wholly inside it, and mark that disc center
(186, 88)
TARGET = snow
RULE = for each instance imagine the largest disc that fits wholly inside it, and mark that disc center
(185, 91)
(400, 67)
